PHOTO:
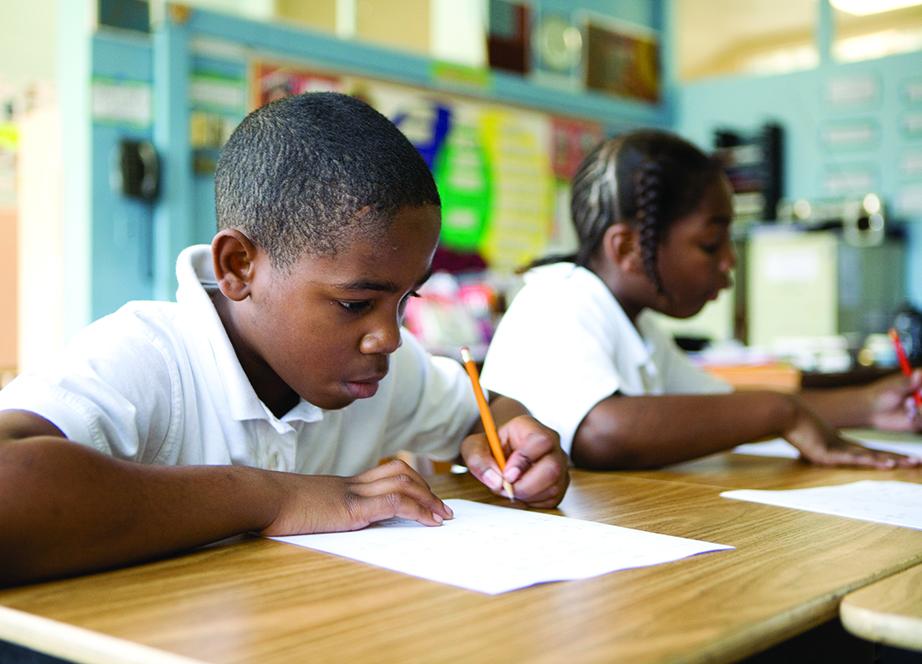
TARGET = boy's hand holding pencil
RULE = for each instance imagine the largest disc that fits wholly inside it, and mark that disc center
(520, 460)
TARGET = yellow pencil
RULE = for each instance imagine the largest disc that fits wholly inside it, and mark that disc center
(489, 426)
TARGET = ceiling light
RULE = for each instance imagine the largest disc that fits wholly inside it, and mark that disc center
(865, 7)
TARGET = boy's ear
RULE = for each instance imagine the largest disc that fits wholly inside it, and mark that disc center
(234, 256)
(621, 244)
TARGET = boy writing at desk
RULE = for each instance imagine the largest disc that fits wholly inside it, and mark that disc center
(281, 365)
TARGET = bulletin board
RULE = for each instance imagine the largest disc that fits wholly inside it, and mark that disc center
(502, 172)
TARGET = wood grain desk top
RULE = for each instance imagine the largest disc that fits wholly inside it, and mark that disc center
(258, 600)
(889, 611)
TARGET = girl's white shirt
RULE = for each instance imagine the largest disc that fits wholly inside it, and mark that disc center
(565, 344)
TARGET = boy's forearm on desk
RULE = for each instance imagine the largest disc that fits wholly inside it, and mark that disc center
(65, 508)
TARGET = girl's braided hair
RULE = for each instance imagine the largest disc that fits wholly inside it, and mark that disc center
(648, 178)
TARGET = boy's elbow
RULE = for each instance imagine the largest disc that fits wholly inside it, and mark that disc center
(14, 563)
(18, 537)
(13, 568)
(600, 444)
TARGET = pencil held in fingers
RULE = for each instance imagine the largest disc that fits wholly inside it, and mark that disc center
(489, 426)
(916, 404)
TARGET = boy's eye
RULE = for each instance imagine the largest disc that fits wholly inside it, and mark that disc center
(354, 307)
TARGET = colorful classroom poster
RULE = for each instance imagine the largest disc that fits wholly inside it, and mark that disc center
(571, 141)
(496, 168)
(274, 81)
(518, 149)
(463, 174)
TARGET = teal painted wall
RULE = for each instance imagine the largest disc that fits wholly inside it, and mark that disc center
(121, 227)
(798, 101)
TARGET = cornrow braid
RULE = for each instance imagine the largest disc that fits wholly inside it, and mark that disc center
(594, 205)
(648, 189)
(647, 178)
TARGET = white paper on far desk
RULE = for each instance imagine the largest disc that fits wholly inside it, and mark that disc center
(496, 549)
(895, 503)
(778, 447)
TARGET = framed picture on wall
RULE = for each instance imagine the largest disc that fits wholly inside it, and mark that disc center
(508, 34)
(557, 51)
(622, 59)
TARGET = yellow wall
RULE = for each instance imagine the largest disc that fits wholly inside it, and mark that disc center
(402, 24)
(317, 14)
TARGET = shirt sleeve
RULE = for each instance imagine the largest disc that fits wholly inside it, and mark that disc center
(558, 366)
(111, 390)
(433, 408)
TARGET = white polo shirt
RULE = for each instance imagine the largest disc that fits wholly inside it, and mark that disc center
(565, 344)
(159, 383)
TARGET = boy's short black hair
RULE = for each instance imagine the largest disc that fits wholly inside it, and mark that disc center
(309, 173)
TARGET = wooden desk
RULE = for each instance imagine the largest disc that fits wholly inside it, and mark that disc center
(889, 611)
(263, 601)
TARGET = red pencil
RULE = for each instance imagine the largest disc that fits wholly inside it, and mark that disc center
(904, 365)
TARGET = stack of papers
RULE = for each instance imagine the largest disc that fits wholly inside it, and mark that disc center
(494, 549)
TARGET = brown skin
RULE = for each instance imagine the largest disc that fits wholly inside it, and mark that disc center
(67, 509)
(694, 261)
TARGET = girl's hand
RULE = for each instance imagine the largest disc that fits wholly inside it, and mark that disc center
(892, 402)
(536, 467)
(325, 503)
(820, 444)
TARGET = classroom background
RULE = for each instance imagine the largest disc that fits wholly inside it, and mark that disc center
(114, 112)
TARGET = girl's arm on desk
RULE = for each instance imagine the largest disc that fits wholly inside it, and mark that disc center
(627, 432)
(884, 404)
(66, 509)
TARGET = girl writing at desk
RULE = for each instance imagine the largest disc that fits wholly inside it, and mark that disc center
(579, 348)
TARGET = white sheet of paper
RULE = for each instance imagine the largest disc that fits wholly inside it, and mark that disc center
(778, 447)
(895, 503)
(494, 549)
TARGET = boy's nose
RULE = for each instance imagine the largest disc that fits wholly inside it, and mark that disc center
(383, 339)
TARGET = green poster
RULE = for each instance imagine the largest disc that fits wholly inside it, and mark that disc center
(463, 176)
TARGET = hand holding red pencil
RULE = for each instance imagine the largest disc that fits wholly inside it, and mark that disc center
(916, 404)
(892, 403)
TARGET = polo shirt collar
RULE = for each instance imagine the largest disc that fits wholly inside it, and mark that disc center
(195, 275)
